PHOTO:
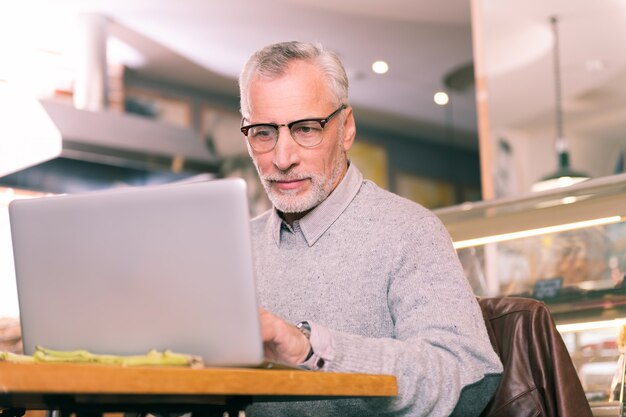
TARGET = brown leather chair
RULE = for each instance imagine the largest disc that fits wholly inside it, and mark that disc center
(539, 378)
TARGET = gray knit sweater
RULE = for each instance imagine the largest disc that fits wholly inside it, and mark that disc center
(377, 277)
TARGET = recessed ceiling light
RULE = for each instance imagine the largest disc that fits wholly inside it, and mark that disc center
(380, 67)
(441, 98)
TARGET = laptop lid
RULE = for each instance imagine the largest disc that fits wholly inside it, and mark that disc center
(128, 270)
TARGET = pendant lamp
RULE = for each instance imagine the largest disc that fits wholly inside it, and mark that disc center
(564, 175)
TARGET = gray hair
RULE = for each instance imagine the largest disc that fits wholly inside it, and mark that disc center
(272, 61)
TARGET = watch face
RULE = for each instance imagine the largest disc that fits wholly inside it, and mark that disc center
(305, 328)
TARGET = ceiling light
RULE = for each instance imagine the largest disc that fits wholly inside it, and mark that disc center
(564, 176)
(380, 67)
(441, 98)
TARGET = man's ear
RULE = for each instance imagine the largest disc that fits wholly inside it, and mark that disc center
(349, 129)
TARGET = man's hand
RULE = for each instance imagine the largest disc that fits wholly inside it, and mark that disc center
(282, 342)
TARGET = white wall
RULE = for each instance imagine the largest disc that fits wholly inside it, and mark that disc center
(8, 292)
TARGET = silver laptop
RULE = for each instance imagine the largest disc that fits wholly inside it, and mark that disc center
(129, 270)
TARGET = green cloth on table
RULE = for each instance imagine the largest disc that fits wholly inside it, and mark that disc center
(152, 358)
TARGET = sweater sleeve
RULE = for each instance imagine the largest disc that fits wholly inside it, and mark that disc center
(440, 344)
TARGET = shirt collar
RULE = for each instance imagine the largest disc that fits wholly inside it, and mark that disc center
(318, 220)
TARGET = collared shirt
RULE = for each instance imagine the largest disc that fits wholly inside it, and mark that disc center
(315, 223)
(312, 226)
(377, 278)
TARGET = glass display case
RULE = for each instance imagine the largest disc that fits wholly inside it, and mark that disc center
(565, 247)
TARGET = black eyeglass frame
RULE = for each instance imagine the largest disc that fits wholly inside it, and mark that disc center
(322, 121)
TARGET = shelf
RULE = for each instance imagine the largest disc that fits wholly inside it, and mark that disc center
(568, 245)
(593, 305)
(598, 198)
(605, 408)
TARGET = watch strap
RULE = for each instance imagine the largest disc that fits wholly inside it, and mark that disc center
(305, 329)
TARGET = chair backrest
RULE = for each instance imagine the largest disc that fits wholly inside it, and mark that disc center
(539, 378)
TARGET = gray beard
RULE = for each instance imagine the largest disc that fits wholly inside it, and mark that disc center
(321, 187)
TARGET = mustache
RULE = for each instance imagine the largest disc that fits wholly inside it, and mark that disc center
(286, 177)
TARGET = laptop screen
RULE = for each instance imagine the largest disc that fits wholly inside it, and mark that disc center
(129, 270)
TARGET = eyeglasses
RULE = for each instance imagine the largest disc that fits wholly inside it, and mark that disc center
(306, 132)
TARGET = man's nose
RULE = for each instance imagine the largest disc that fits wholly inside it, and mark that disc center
(286, 151)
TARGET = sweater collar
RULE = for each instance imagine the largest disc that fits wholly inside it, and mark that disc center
(318, 220)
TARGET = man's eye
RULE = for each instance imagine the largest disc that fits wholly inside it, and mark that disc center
(262, 132)
(307, 129)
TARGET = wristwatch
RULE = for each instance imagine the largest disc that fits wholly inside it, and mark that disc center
(305, 329)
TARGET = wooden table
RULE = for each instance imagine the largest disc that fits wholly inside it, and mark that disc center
(88, 389)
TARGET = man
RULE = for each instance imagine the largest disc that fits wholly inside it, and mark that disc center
(371, 279)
